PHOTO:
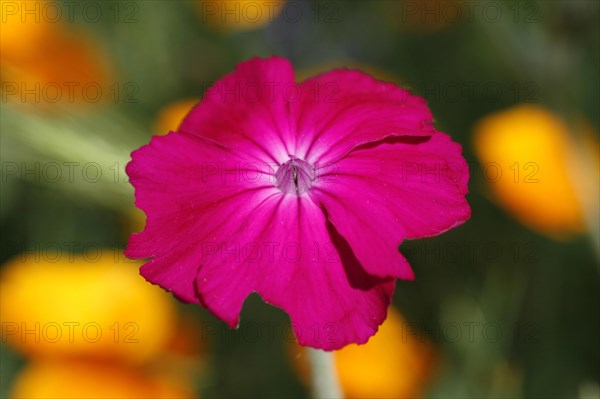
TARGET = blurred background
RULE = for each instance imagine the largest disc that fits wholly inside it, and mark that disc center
(505, 306)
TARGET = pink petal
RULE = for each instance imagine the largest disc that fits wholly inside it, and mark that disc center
(383, 193)
(248, 110)
(289, 254)
(189, 187)
(348, 108)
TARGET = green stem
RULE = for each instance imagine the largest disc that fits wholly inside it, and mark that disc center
(324, 375)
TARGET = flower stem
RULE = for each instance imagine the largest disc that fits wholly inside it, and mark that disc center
(324, 375)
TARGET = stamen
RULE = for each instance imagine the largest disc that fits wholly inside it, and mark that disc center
(295, 176)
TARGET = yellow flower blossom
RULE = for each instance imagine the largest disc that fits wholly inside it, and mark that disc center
(170, 117)
(95, 305)
(79, 379)
(44, 63)
(395, 363)
(528, 156)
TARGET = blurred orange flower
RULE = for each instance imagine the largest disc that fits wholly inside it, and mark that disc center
(238, 15)
(18, 36)
(44, 63)
(393, 364)
(93, 328)
(534, 174)
(96, 306)
(169, 117)
(84, 379)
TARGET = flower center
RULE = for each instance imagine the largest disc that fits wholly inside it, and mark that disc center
(296, 176)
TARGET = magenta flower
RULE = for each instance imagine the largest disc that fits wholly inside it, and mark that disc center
(299, 192)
